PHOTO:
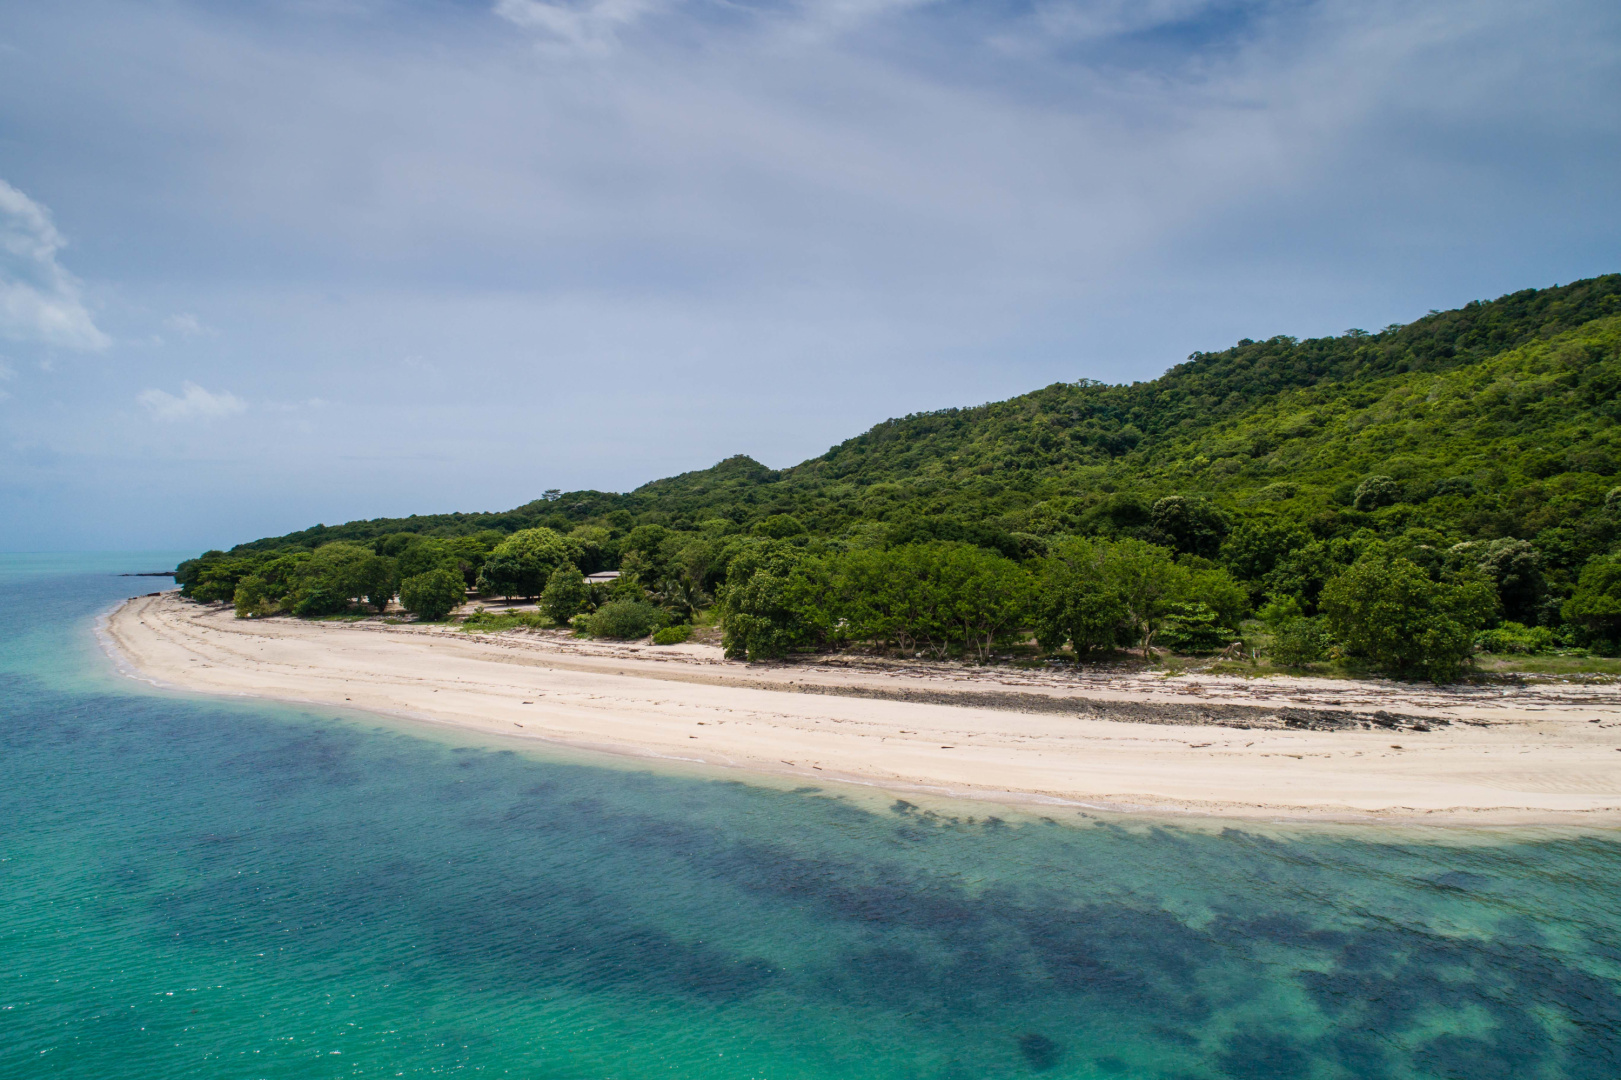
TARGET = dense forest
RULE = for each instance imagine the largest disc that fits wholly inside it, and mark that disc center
(1393, 500)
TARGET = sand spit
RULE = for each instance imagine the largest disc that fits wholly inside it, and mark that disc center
(1272, 748)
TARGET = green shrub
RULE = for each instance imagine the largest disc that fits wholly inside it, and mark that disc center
(432, 596)
(1193, 627)
(1076, 603)
(1512, 637)
(493, 622)
(672, 635)
(319, 599)
(1596, 605)
(1299, 642)
(1279, 612)
(1388, 610)
(252, 599)
(565, 595)
(769, 605)
(624, 619)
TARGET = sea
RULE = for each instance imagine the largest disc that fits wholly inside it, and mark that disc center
(212, 887)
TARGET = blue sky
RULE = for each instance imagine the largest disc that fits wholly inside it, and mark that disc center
(267, 264)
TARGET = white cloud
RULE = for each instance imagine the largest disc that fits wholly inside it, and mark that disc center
(186, 325)
(6, 375)
(592, 26)
(194, 403)
(39, 299)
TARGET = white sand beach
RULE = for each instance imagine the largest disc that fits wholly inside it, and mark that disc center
(1274, 748)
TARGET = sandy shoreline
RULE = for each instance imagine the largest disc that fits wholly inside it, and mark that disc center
(1276, 748)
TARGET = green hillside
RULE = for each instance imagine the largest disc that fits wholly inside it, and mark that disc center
(1075, 439)
(1070, 426)
(1494, 425)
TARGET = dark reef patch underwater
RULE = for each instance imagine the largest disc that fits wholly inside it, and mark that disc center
(205, 889)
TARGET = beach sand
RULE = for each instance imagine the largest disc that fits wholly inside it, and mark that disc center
(1229, 747)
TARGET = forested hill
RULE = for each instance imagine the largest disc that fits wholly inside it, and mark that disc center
(1510, 399)
(1090, 423)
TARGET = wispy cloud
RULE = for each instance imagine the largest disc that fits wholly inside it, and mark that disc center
(193, 403)
(6, 375)
(592, 26)
(186, 325)
(39, 300)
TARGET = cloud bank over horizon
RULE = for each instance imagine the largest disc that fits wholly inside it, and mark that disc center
(271, 263)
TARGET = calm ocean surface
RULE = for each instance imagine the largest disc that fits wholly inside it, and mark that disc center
(194, 888)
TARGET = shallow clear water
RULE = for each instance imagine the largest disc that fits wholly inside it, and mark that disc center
(222, 889)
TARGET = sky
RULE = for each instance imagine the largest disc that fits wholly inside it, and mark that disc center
(266, 263)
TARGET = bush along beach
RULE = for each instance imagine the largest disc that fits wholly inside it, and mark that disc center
(1401, 501)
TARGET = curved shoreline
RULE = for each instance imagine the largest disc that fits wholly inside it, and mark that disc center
(1285, 749)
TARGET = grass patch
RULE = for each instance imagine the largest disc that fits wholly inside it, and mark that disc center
(493, 622)
(1558, 665)
(1242, 668)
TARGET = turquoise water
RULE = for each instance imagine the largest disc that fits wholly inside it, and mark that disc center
(196, 888)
